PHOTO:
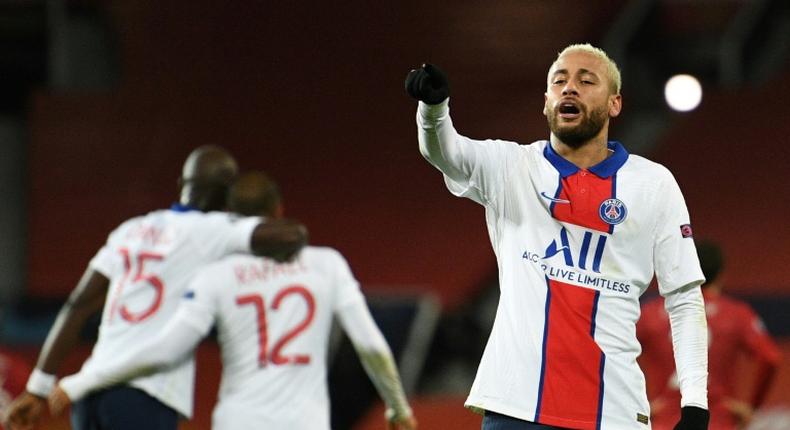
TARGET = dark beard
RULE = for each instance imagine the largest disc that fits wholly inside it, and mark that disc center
(577, 136)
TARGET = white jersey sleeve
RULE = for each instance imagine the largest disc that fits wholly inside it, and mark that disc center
(679, 276)
(217, 234)
(686, 312)
(351, 310)
(471, 168)
(376, 357)
(676, 262)
(346, 287)
(357, 322)
(373, 350)
(176, 340)
(200, 305)
(192, 321)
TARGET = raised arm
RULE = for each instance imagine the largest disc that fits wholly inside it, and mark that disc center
(376, 358)
(437, 138)
(86, 300)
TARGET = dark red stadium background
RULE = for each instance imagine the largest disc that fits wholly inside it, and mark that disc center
(314, 96)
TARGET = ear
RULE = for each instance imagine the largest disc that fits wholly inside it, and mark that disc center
(279, 211)
(615, 105)
(545, 106)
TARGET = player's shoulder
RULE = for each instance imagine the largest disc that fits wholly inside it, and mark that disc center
(219, 271)
(324, 260)
(181, 221)
(321, 254)
(158, 213)
(647, 175)
(135, 221)
(533, 152)
(508, 145)
(168, 216)
(196, 216)
(227, 262)
(534, 148)
(647, 167)
(210, 221)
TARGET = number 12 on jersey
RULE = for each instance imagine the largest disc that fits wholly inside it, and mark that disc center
(275, 356)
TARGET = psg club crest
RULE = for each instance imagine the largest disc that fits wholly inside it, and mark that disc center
(612, 211)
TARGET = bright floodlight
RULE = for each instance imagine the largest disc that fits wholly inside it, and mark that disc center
(683, 92)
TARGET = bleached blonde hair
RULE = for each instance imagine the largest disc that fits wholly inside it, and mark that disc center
(612, 72)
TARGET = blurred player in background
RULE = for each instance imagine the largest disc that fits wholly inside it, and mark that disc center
(273, 322)
(579, 227)
(137, 278)
(734, 331)
(14, 371)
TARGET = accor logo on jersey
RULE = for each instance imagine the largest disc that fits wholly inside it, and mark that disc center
(588, 251)
(588, 258)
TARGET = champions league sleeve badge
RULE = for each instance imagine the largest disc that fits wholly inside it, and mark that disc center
(612, 211)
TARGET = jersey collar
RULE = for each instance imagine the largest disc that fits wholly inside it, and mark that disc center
(604, 169)
(178, 207)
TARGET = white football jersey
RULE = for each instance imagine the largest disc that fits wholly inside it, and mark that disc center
(273, 322)
(575, 249)
(149, 261)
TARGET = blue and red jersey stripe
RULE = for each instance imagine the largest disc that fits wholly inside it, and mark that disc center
(571, 388)
(571, 381)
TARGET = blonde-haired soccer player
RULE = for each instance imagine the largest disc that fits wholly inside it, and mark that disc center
(579, 227)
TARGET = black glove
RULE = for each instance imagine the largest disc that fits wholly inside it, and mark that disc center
(428, 83)
(693, 418)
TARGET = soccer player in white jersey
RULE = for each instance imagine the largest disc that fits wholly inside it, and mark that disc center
(138, 277)
(579, 228)
(273, 322)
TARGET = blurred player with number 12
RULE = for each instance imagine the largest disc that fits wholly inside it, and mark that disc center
(138, 277)
(273, 322)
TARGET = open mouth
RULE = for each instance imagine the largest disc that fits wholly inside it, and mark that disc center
(569, 110)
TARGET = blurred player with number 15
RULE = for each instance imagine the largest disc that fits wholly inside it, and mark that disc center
(273, 322)
(137, 277)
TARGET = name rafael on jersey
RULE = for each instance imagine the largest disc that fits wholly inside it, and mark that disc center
(263, 270)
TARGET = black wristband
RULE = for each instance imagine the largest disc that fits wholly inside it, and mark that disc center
(693, 418)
